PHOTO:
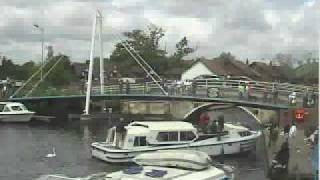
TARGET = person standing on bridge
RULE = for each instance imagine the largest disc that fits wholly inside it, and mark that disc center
(275, 95)
(127, 87)
(241, 90)
(120, 86)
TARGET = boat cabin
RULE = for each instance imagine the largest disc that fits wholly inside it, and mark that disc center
(10, 107)
(143, 134)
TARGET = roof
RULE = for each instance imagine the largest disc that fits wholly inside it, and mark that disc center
(164, 125)
(224, 67)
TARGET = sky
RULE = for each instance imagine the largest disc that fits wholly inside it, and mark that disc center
(253, 29)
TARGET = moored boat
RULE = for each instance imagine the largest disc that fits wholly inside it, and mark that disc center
(14, 112)
(142, 137)
(167, 164)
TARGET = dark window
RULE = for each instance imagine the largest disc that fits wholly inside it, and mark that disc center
(1, 107)
(167, 136)
(163, 136)
(186, 135)
(173, 136)
(140, 141)
(244, 133)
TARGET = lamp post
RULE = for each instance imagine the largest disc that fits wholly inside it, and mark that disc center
(42, 42)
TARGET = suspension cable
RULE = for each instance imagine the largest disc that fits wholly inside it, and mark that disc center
(148, 73)
(47, 73)
(31, 77)
(125, 45)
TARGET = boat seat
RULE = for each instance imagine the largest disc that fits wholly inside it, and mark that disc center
(156, 173)
(133, 170)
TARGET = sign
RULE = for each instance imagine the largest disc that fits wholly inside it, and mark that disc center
(299, 115)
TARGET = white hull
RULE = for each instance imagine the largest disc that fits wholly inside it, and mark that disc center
(21, 117)
(108, 153)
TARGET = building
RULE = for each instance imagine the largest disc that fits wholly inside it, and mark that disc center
(220, 67)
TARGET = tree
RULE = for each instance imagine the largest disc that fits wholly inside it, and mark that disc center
(144, 43)
(247, 61)
(62, 74)
(182, 49)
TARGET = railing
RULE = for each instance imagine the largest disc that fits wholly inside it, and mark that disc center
(227, 89)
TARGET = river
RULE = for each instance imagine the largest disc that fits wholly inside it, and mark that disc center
(24, 147)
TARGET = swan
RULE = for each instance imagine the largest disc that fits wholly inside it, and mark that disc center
(51, 155)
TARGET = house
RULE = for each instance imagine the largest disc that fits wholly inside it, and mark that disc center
(220, 67)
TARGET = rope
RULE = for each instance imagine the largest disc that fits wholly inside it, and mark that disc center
(45, 75)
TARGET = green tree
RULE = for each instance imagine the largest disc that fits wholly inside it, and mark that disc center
(144, 43)
(182, 49)
(63, 74)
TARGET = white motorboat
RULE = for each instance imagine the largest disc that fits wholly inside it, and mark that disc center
(14, 112)
(175, 165)
(142, 137)
(167, 164)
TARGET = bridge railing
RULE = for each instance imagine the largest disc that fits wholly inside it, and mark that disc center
(227, 89)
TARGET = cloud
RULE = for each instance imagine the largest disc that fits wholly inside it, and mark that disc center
(247, 28)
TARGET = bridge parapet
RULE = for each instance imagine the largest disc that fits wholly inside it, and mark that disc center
(229, 90)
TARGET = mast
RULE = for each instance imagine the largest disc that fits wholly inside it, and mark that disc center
(89, 85)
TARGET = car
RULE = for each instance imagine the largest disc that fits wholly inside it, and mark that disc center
(207, 77)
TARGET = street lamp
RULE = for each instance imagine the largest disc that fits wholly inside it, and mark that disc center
(42, 39)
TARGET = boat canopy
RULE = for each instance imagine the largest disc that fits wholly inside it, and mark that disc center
(164, 125)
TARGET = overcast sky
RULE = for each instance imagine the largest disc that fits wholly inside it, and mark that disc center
(247, 28)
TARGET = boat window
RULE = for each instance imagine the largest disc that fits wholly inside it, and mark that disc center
(167, 136)
(187, 135)
(1, 107)
(16, 108)
(140, 141)
(173, 136)
(6, 109)
(244, 133)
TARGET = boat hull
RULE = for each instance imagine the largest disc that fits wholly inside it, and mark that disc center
(110, 154)
(22, 117)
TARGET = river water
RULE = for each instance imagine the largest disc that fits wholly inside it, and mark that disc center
(24, 147)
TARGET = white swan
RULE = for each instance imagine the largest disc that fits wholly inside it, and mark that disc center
(51, 155)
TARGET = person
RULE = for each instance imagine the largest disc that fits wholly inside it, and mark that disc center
(127, 87)
(213, 127)
(194, 87)
(292, 98)
(204, 121)
(313, 97)
(275, 95)
(265, 94)
(221, 123)
(120, 132)
(293, 130)
(121, 86)
(241, 89)
(249, 91)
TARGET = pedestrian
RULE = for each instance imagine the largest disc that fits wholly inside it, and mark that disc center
(203, 122)
(249, 91)
(127, 87)
(275, 95)
(194, 87)
(313, 98)
(241, 90)
(121, 86)
(220, 123)
(120, 132)
(265, 94)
